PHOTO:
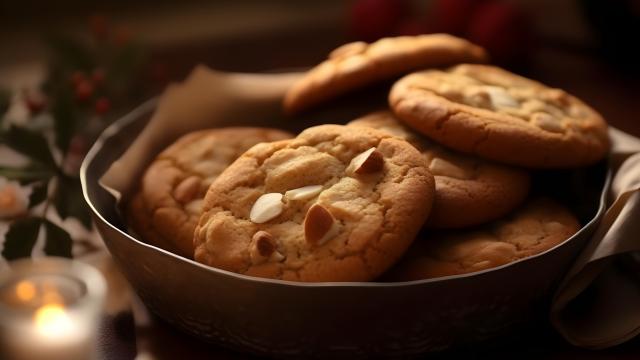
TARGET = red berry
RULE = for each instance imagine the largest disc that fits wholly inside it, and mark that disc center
(503, 29)
(373, 19)
(98, 76)
(102, 105)
(84, 90)
(35, 102)
(77, 77)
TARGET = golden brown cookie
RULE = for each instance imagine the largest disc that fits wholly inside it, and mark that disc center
(540, 225)
(336, 203)
(490, 112)
(469, 191)
(358, 64)
(166, 208)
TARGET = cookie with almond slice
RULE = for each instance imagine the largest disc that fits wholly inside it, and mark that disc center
(336, 203)
(469, 190)
(165, 210)
(492, 113)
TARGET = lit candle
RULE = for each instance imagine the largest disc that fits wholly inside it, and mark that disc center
(49, 309)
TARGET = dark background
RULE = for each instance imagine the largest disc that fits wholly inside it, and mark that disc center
(588, 47)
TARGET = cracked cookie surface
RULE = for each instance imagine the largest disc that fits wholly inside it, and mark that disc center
(469, 190)
(540, 225)
(355, 65)
(495, 114)
(336, 203)
(166, 208)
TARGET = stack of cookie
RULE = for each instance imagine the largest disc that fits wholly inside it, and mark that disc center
(435, 183)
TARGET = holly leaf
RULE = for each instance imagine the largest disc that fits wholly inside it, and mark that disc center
(21, 238)
(65, 120)
(27, 174)
(38, 194)
(29, 143)
(58, 241)
(69, 201)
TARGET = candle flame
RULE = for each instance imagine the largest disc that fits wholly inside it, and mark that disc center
(52, 320)
(25, 291)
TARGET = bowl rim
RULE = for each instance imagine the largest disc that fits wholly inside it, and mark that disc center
(148, 107)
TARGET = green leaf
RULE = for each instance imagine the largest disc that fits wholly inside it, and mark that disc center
(124, 69)
(65, 120)
(29, 143)
(21, 238)
(5, 100)
(58, 241)
(69, 201)
(39, 194)
(27, 174)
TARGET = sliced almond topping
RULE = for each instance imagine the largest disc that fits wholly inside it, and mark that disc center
(547, 122)
(276, 256)
(194, 207)
(367, 162)
(319, 225)
(263, 248)
(187, 189)
(442, 167)
(303, 193)
(267, 207)
(263, 242)
(500, 97)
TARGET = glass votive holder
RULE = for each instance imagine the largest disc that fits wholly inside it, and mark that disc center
(50, 309)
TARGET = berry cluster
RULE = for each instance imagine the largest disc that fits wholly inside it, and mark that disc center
(501, 27)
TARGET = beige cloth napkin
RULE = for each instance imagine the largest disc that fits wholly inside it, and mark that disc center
(207, 98)
(597, 305)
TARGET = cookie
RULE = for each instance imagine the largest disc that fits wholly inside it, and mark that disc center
(358, 64)
(469, 191)
(490, 112)
(165, 210)
(535, 228)
(336, 203)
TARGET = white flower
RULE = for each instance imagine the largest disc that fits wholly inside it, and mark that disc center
(14, 199)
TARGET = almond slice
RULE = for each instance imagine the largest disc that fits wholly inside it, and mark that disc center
(547, 122)
(500, 97)
(319, 225)
(263, 242)
(263, 248)
(442, 167)
(194, 207)
(187, 189)
(367, 162)
(267, 207)
(303, 193)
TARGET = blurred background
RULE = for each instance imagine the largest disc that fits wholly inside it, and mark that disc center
(68, 68)
(585, 46)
